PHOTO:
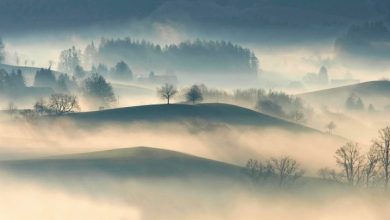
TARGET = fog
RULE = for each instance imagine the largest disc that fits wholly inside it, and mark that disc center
(195, 110)
(150, 199)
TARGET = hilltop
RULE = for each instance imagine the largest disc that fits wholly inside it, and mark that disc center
(371, 92)
(213, 112)
(125, 162)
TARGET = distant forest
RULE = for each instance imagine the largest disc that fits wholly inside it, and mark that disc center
(201, 57)
(370, 39)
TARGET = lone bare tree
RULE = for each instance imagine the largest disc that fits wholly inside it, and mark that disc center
(62, 103)
(167, 91)
(382, 147)
(350, 160)
(330, 126)
(286, 169)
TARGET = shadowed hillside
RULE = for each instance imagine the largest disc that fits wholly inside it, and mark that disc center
(217, 113)
(138, 161)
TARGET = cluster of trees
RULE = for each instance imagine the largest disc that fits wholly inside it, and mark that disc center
(57, 104)
(98, 90)
(168, 91)
(284, 170)
(95, 87)
(121, 71)
(62, 83)
(354, 102)
(72, 60)
(11, 83)
(192, 56)
(277, 104)
(283, 105)
(368, 169)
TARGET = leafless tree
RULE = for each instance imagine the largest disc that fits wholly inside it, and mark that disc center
(329, 174)
(330, 127)
(258, 170)
(29, 115)
(350, 160)
(12, 109)
(62, 103)
(382, 147)
(370, 166)
(167, 91)
(286, 169)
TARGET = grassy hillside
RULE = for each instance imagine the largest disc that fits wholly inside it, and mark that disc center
(217, 113)
(126, 162)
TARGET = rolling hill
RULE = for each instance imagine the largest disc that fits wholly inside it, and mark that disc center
(212, 113)
(126, 162)
(375, 92)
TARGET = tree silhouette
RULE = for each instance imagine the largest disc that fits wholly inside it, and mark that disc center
(62, 103)
(167, 91)
(350, 160)
(286, 169)
(45, 78)
(330, 127)
(69, 59)
(194, 94)
(382, 147)
(98, 89)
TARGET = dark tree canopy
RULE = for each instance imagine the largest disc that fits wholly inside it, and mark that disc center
(79, 72)
(97, 88)
(122, 71)
(11, 83)
(45, 78)
(194, 94)
(354, 102)
(65, 83)
(199, 56)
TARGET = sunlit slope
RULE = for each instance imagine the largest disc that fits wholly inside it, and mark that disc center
(126, 162)
(213, 113)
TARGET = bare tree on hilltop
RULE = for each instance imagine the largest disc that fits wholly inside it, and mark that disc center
(167, 91)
